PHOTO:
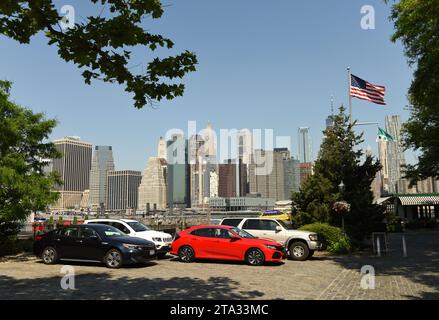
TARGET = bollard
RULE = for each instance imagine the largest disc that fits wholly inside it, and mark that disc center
(378, 247)
(404, 247)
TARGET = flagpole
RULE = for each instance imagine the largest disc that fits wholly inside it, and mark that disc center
(349, 95)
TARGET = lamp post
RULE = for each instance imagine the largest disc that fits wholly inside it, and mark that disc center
(341, 188)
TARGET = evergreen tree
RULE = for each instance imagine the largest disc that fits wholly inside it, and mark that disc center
(340, 160)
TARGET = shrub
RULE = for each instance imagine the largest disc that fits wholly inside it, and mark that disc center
(337, 242)
(75, 220)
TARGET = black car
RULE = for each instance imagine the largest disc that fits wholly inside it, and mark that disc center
(96, 243)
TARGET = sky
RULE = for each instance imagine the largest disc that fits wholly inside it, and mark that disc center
(262, 65)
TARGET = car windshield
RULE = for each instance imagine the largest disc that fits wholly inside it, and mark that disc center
(111, 232)
(138, 226)
(285, 225)
(243, 233)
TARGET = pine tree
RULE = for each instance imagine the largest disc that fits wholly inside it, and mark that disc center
(340, 160)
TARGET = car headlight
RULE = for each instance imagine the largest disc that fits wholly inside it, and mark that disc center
(313, 237)
(131, 246)
(157, 239)
(271, 247)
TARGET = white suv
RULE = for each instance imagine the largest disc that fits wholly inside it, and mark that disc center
(134, 228)
(299, 244)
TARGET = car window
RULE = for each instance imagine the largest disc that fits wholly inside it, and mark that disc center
(69, 232)
(120, 226)
(86, 232)
(252, 224)
(231, 222)
(204, 232)
(110, 232)
(243, 233)
(222, 233)
(268, 225)
(138, 226)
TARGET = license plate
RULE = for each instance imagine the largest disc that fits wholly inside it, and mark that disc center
(151, 252)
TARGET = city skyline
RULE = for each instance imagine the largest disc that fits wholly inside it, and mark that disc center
(237, 88)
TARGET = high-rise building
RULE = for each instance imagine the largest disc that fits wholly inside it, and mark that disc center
(267, 175)
(306, 170)
(161, 149)
(291, 171)
(153, 188)
(178, 173)
(196, 163)
(102, 163)
(232, 179)
(74, 168)
(305, 146)
(392, 154)
(245, 146)
(122, 189)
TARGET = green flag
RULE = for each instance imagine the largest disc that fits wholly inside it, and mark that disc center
(383, 135)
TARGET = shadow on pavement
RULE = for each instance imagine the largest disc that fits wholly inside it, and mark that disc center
(102, 286)
(420, 265)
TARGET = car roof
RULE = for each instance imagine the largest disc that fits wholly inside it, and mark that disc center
(211, 226)
(112, 220)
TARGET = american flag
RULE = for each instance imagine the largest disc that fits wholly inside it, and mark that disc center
(364, 90)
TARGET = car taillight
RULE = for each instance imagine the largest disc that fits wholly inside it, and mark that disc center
(38, 238)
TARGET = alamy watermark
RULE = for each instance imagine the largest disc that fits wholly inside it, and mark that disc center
(368, 19)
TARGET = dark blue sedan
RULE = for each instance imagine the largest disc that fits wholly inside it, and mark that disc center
(93, 243)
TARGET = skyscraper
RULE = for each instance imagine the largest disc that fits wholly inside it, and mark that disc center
(232, 179)
(178, 173)
(74, 168)
(305, 146)
(161, 149)
(291, 172)
(395, 151)
(122, 190)
(153, 187)
(271, 183)
(102, 163)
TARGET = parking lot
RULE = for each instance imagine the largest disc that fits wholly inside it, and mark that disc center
(323, 277)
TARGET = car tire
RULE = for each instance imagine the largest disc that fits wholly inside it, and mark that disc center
(299, 251)
(311, 253)
(113, 259)
(49, 255)
(255, 257)
(186, 254)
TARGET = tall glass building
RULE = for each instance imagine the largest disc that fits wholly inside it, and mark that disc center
(305, 147)
(101, 164)
(178, 173)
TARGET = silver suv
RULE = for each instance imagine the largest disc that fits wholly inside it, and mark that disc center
(300, 245)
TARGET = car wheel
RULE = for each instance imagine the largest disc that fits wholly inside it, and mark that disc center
(49, 255)
(186, 254)
(311, 253)
(299, 251)
(113, 259)
(255, 257)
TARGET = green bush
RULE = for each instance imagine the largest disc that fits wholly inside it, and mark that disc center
(75, 220)
(337, 242)
(12, 245)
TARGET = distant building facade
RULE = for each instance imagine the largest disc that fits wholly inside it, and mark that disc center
(122, 189)
(74, 168)
(232, 179)
(102, 163)
(305, 145)
(178, 173)
(153, 187)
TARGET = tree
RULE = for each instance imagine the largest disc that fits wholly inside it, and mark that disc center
(23, 185)
(417, 26)
(339, 161)
(101, 46)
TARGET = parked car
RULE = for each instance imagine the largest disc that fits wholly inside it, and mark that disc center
(300, 245)
(134, 228)
(95, 243)
(224, 243)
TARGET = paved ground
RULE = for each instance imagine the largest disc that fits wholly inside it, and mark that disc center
(324, 277)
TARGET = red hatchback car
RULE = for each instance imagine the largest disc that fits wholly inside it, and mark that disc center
(225, 243)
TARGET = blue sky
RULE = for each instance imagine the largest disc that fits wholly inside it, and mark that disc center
(262, 64)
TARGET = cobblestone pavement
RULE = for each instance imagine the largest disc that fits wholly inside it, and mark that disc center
(323, 277)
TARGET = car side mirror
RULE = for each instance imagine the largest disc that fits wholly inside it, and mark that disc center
(234, 238)
(94, 238)
(278, 228)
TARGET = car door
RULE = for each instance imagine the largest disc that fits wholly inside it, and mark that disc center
(120, 226)
(89, 244)
(268, 230)
(65, 242)
(203, 242)
(226, 248)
